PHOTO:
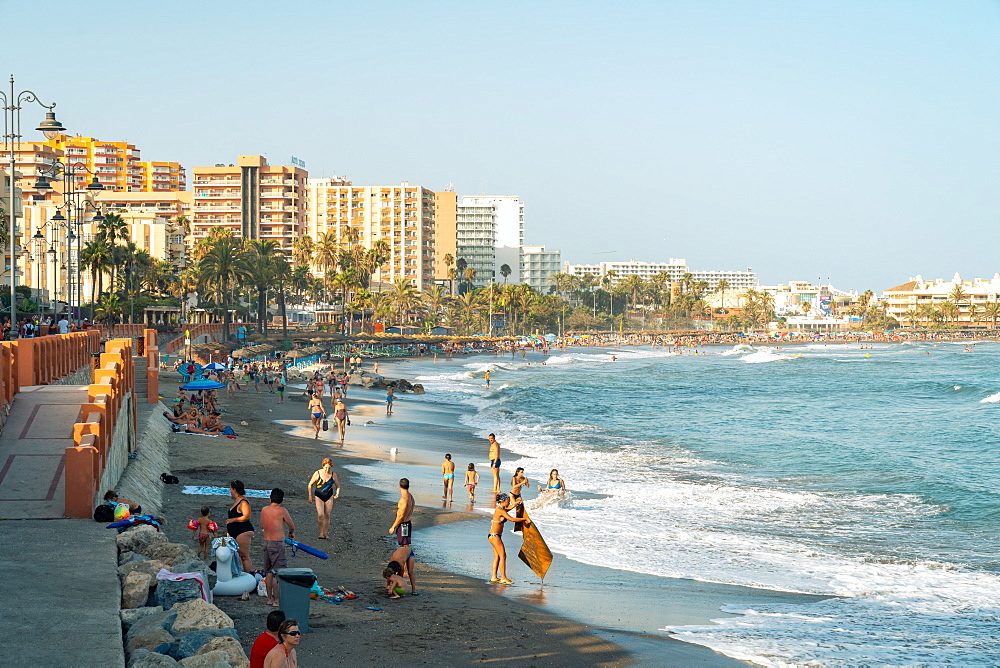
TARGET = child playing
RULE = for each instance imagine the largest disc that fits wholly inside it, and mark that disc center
(394, 584)
(471, 480)
(205, 530)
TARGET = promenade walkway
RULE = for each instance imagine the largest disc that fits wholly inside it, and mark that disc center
(58, 577)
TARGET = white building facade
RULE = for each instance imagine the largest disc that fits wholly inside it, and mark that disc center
(489, 235)
(537, 264)
(674, 268)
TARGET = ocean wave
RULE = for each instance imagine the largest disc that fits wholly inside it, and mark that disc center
(766, 355)
(992, 399)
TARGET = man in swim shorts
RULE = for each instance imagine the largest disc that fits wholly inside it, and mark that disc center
(448, 472)
(495, 461)
(402, 527)
(273, 519)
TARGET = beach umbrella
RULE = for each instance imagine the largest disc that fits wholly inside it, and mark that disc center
(202, 385)
(215, 366)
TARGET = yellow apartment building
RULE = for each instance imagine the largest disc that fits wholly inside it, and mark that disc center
(252, 199)
(152, 219)
(401, 215)
(162, 176)
(445, 232)
(114, 163)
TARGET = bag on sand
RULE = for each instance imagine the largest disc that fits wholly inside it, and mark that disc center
(104, 513)
(262, 588)
(326, 425)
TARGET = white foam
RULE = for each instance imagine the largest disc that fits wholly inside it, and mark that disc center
(992, 399)
(766, 355)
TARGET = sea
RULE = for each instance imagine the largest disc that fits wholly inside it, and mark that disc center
(866, 474)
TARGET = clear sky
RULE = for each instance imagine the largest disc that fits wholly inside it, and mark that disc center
(851, 139)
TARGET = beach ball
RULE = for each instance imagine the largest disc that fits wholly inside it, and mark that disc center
(121, 512)
(192, 524)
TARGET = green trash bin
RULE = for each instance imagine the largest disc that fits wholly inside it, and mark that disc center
(293, 594)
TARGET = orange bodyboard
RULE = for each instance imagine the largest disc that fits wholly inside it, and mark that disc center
(534, 552)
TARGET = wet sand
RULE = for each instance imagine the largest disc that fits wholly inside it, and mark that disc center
(584, 615)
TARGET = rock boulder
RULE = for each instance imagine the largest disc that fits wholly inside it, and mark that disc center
(149, 640)
(230, 647)
(139, 538)
(143, 658)
(214, 659)
(195, 615)
(169, 552)
(135, 590)
(171, 592)
(130, 617)
(149, 566)
(151, 622)
(193, 641)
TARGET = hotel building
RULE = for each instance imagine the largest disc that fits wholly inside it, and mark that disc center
(252, 199)
(401, 215)
(489, 234)
(537, 264)
(917, 293)
(674, 268)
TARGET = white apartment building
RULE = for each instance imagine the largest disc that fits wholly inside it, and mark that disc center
(489, 235)
(537, 264)
(675, 269)
(917, 292)
(401, 215)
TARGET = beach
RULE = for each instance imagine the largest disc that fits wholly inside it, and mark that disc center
(457, 619)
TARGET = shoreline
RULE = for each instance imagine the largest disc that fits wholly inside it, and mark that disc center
(453, 622)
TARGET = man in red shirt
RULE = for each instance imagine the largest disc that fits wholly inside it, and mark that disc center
(267, 640)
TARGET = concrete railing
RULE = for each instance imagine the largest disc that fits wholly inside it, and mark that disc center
(42, 360)
(197, 331)
(104, 434)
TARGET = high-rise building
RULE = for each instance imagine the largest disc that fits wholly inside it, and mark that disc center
(400, 215)
(153, 220)
(162, 176)
(537, 264)
(489, 236)
(252, 199)
(445, 233)
(114, 163)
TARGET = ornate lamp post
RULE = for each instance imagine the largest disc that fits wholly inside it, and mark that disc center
(39, 240)
(51, 128)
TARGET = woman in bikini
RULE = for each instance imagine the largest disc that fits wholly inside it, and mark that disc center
(322, 485)
(340, 415)
(283, 654)
(498, 574)
(238, 523)
(554, 483)
(316, 412)
(518, 482)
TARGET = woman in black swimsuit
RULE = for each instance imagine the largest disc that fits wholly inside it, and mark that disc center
(238, 522)
(498, 574)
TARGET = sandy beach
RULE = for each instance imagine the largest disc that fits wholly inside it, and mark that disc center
(583, 615)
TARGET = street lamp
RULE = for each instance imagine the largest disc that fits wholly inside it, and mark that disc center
(76, 204)
(39, 240)
(51, 128)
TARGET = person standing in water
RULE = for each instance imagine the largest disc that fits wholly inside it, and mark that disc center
(448, 473)
(495, 462)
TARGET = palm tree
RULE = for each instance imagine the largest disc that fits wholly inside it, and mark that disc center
(449, 260)
(221, 269)
(949, 310)
(721, 288)
(912, 316)
(112, 230)
(96, 257)
(505, 271)
(302, 250)
(404, 295)
(992, 311)
(973, 310)
(326, 251)
(470, 277)
(381, 305)
(467, 308)
(927, 312)
(282, 280)
(109, 308)
(261, 269)
(434, 300)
